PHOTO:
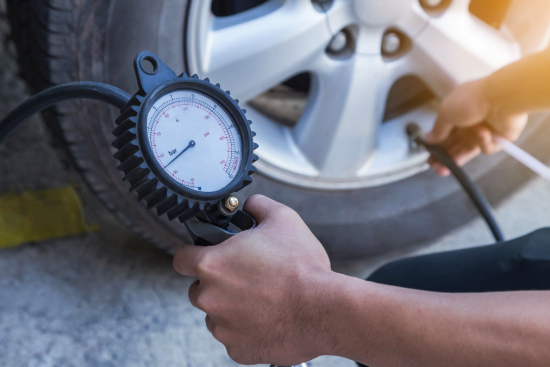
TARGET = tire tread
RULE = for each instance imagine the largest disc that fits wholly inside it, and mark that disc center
(50, 41)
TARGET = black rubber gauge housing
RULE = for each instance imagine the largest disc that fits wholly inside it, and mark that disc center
(143, 172)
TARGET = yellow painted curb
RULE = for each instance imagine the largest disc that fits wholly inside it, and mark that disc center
(40, 215)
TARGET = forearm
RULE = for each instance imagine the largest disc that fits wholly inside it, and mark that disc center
(523, 86)
(388, 326)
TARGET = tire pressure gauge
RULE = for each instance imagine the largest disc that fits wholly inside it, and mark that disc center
(194, 141)
(185, 146)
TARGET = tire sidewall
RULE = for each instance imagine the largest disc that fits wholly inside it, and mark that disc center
(104, 39)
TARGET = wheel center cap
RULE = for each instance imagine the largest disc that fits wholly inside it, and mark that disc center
(378, 12)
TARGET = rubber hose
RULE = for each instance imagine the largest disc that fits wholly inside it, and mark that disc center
(49, 97)
(477, 197)
(119, 98)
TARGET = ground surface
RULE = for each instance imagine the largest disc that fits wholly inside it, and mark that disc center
(99, 300)
(108, 298)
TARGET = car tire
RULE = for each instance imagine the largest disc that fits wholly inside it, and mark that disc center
(60, 41)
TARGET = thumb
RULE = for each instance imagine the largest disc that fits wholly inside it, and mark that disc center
(261, 207)
(440, 132)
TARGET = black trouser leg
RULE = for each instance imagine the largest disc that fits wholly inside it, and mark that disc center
(517, 265)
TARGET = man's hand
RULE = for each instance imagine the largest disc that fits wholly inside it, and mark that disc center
(467, 123)
(271, 297)
(261, 288)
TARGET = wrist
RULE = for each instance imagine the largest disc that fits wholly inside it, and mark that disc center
(316, 312)
(339, 310)
(492, 98)
(486, 104)
(358, 318)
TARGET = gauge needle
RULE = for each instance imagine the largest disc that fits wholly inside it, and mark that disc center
(191, 145)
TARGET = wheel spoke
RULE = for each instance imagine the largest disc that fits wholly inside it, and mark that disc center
(413, 21)
(251, 52)
(410, 19)
(459, 6)
(337, 132)
(468, 49)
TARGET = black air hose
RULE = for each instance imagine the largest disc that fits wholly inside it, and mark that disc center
(49, 97)
(479, 200)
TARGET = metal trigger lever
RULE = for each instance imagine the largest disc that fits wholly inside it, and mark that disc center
(219, 223)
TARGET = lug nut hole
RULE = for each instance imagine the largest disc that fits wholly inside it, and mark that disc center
(322, 5)
(395, 44)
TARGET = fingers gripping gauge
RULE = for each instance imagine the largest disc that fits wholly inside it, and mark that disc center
(185, 146)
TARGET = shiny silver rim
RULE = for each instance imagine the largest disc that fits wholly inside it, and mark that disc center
(340, 142)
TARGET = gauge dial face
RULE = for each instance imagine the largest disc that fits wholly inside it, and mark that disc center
(194, 140)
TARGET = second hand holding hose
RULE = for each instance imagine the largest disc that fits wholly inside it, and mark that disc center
(480, 201)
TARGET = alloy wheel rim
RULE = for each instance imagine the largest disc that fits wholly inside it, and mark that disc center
(340, 142)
